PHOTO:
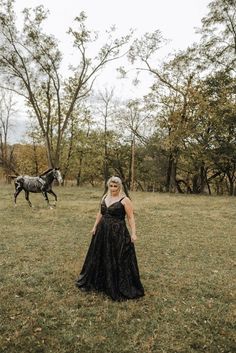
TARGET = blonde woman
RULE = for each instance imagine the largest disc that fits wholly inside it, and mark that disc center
(111, 265)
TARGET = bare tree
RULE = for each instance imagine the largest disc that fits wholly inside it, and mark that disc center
(105, 109)
(218, 31)
(7, 111)
(30, 61)
(132, 120)
(174, 80)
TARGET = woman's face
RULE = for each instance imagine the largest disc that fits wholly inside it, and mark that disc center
(114, 189)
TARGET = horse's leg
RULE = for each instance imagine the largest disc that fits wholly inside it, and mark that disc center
(27, 198)
(53, 193)
(45, 195)
(18, 190)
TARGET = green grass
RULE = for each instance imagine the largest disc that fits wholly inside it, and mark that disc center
(186, 255)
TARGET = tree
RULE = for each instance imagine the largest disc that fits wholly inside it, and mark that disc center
(30, 159)
(218, 42)
(7, 111)
(105, 109)
(173, 86)
(134, 123)
(220, 91)
(30, 61)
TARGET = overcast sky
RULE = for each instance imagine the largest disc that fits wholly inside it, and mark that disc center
(176, 19)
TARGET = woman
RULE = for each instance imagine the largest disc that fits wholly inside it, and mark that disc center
(111, 265)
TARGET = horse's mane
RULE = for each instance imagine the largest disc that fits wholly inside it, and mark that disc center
(46, 171)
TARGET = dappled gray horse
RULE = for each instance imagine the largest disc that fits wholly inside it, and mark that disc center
(41, 183)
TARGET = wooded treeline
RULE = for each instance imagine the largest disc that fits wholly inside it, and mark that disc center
(180, 137)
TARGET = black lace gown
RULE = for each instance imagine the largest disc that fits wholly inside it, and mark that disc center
(111, 265)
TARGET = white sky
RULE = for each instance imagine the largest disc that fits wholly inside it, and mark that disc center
(176, 19)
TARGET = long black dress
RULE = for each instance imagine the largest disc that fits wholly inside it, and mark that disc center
(111, 265)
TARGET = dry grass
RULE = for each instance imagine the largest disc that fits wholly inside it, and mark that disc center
(186, 255)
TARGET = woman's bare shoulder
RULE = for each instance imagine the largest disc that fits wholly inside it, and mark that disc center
(126, 201)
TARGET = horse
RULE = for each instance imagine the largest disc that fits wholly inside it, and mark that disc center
(41, 183)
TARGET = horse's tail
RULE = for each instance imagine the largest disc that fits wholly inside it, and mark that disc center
(13, 176)
(18, 181)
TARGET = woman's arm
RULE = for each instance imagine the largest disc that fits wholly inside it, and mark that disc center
(98, 217)
(130, 215)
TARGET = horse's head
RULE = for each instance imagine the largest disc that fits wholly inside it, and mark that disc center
(57, 175)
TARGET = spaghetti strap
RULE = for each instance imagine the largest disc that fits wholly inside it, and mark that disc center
(122, 198)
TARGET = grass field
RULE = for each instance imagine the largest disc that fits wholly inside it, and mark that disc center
(186, 255)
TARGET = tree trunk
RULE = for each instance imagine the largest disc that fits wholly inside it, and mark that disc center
(132, 169)
(171, 185)
(231, 186)
(78, 177)
(105, 164)
(35, 159)
(49, 152)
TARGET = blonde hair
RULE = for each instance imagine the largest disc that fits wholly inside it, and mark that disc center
(115, 180)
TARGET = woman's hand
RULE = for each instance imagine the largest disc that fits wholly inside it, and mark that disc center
(133, 238)
(98, 218)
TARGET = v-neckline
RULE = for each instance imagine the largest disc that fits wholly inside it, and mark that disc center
(112, 203)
